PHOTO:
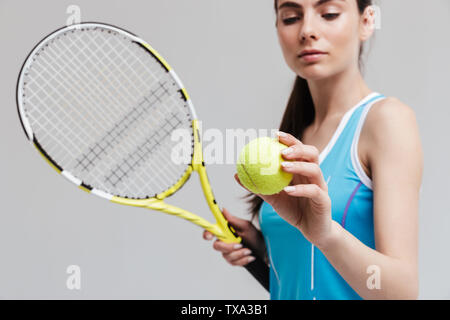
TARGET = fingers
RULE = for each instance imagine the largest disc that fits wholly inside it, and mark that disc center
(207, 235)
(234, 253)
(243, 259)
(309, 170)
(287, 138)
(239, 258)
(301, 152)
(240, 225)
(297, 150)
(312, 191)
(236, 177)
(226, 247)
(264, 197)
(307, 164)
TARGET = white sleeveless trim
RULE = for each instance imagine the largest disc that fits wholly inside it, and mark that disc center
(342, 125)
(354, 149)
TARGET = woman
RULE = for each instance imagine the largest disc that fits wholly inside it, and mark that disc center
(346, 227)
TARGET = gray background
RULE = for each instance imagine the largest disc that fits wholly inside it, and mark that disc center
(227, 54)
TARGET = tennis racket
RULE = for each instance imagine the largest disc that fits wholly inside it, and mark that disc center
(101, 105)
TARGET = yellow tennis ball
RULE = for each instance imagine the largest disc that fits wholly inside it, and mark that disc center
(259, 166)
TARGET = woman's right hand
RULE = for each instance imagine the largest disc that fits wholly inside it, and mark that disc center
(234, 253)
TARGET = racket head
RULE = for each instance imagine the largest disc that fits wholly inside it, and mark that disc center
(45, 122)
(100, 105)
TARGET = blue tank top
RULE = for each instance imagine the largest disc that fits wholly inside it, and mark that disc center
(298, 270)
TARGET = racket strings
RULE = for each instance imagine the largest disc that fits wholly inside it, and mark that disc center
(104, 109)
(75, 94)
(118, 130)
(130, 163)
(138, 156)
(160, 164)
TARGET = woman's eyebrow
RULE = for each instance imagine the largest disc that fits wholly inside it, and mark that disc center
(289, 4)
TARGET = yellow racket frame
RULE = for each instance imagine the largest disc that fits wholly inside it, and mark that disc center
(221, 229)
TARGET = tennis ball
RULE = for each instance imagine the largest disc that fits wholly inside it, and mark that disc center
(259, 166)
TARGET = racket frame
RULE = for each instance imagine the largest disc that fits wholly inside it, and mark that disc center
(221, 229)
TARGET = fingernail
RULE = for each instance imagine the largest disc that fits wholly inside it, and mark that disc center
(281, 134)
(209, 236)
(250, 259)
(286, 164)
(237, 246)
(247, 252)
(289, 188)
(286, 151)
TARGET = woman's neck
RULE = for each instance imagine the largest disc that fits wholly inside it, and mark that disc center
(335, 95)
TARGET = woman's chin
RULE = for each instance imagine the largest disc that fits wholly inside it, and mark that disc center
(313, 75)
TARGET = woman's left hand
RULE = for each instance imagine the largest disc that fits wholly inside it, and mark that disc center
(305, 204)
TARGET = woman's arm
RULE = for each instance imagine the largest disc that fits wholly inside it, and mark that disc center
(396, 163)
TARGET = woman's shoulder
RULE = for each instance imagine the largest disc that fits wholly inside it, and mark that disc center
(388, 124)
(387, 116)
(389, 107)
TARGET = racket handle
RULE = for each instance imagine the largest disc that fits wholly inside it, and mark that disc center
(258, 269)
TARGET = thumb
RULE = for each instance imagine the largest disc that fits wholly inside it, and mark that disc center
(237, 223)
(264, 197)
(236, 177)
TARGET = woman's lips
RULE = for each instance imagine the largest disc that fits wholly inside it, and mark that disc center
(312, 57)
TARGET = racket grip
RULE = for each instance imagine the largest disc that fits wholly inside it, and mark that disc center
(258, 269)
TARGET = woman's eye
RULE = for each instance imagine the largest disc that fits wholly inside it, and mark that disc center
(294, 19)
(331, 16)
(291, 20)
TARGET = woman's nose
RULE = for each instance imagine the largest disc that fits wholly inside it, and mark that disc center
(308, 29)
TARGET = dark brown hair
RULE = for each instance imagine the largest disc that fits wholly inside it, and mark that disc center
(299, 112)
